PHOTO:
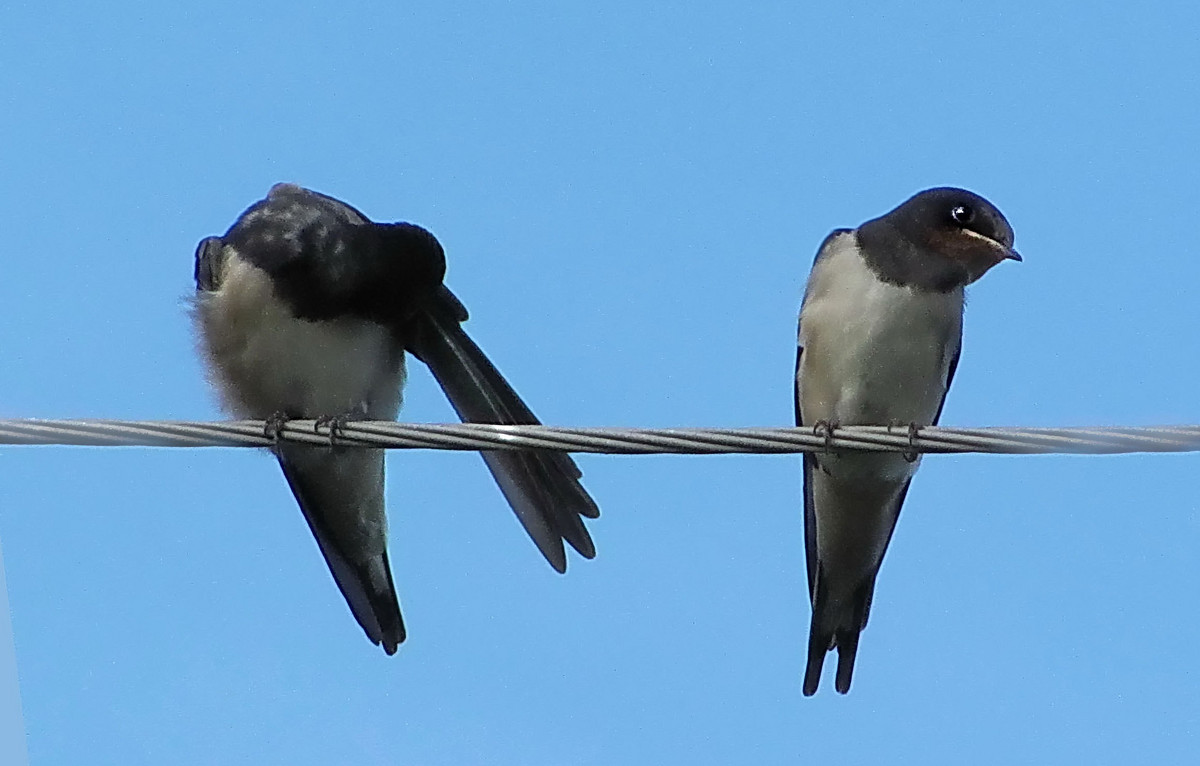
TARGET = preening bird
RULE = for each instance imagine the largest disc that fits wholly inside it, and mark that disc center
(305, 309)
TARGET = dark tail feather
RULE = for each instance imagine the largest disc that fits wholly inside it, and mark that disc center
(836, 627)
(541, 486)
(371, 595)
(847, 648)
(387, 611)
(820, 639)
(818, 644)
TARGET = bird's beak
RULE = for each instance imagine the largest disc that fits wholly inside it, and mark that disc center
(996, 248)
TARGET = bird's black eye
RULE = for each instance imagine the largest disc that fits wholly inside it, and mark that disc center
(962, 214)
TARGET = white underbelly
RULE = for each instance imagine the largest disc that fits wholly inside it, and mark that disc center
(873, 376)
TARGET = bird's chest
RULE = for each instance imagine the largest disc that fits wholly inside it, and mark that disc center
(874, 352)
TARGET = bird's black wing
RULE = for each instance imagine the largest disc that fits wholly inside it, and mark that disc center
(324, 481)
(949, 379)
(809, 461)
(542, 486)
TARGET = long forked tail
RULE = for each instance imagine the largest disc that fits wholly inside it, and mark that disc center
(541, 486)
(836, 626)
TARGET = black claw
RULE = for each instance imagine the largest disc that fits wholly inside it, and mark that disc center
(825, 427)
(274, 425)
(910, 455)
(335, 423)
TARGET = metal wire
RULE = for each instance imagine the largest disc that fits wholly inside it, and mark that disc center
(613, 441)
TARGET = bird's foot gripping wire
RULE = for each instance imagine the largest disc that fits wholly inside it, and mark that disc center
(336, 424)
(274, 425)
(910, 455)
(826, 428)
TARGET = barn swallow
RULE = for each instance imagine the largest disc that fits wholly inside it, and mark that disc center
(879, 340)
(305, 309)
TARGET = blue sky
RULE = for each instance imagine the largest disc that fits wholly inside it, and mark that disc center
(630, 199)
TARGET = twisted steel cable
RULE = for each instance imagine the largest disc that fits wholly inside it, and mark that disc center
(613, 441)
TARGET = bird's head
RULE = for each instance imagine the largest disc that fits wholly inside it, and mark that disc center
(963, 232)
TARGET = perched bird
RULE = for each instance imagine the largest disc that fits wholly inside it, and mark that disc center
(304, 309)
(879, 339)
